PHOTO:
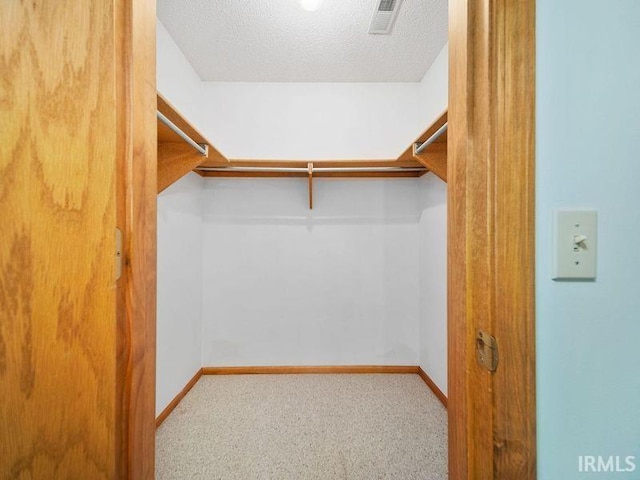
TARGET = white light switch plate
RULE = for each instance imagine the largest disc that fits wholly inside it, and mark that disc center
(574, 244)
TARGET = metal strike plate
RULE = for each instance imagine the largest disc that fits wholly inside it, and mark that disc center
(487, 351)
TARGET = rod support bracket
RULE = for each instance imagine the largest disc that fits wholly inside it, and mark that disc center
(310, 170)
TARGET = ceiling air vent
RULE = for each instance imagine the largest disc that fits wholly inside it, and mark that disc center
(384, 16)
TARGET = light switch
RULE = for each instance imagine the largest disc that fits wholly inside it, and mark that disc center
(574, 244)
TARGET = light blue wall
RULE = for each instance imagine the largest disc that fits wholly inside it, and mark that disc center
(588, 155)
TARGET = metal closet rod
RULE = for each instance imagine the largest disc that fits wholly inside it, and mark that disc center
(202, 149)
(419, 148)
(306, 170)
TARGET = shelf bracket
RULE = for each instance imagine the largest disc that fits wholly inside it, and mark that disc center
(310, 168)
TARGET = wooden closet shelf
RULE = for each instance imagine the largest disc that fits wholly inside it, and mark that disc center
(261, 163)
(434, 158)
(176, 157)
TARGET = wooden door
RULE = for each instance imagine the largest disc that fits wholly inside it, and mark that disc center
(491, 237)
(77, 159)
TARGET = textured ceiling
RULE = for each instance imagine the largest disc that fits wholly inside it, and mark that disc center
(277, 41)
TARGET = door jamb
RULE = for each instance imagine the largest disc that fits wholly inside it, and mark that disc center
(491, 226)
(136, 197)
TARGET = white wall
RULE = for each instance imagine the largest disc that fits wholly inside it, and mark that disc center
(588, 125)
(179, 317)
(288, 286)
(433, 100)
(282, 285)
(315, 121)
(432, 235)
(179, 314)
(433, 91)
(311, 120)
(176, 79)
(340, 284)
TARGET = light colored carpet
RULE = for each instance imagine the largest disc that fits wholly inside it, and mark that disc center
(299, 427)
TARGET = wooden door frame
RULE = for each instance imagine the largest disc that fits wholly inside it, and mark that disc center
(491, 167)
(490, 174)
(136, 217)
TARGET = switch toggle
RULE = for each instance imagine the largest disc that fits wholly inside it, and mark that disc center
(575, 233)
(578, 239)
(579, 244)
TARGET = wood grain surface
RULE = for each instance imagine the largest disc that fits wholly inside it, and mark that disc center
(137, 218)
(57, 198)
(459, 346)
(514, 384)
(165, 135)
(176, 157)
(435, 159)
(491, 237)
(407, 155)
(288, 370)
(175, 160)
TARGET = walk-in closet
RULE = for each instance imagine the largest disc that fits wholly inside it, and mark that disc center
(267, 240)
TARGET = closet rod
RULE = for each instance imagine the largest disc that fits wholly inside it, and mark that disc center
(419, 148)
(202, 149)
(305, 170)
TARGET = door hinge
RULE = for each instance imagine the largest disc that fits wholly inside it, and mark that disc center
(487, 350)
(118, 253)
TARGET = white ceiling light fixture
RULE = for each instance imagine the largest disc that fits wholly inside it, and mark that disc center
(310, 5)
